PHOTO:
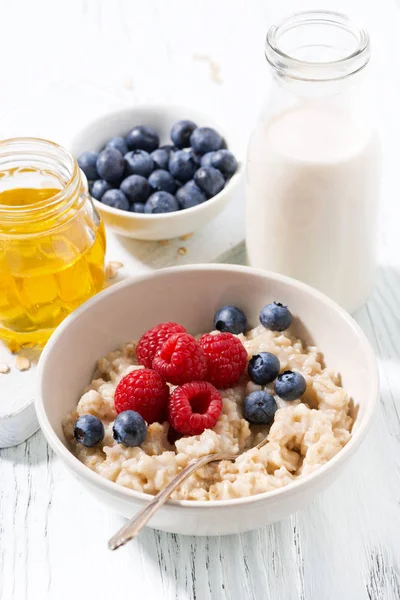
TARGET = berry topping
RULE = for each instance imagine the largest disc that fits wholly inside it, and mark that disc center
(161, 157)
(224, 161)
(230, 318)
(129, 428)
(137, 207)
(161, 202)
(153, 339)
(259, 408)
(99, 188)
(138, 162)
(209, 180)
(142, 138)
(87, 162)
(162, 181)
(144, 391)
(182, 165)
(205, 139)
(206, 159)
(194, 407)
(190, 195)
(115, 199)
(290, 385)
(136, 188)
(226, 358)
(181, 132)
(118, 143)
(110, 165)
(180, 360)
(264, 368)
(276, 317)
(88, 430)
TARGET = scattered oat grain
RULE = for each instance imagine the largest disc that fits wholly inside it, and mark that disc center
(186, 237)
(128, 83)
(163, 242)
(4, 368)
(182, 250)
(214, 68)
(22, 363)
(112, 268)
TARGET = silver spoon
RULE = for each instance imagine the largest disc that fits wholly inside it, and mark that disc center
(135, 525)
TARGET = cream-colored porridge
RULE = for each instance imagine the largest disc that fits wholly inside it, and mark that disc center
(304, 435)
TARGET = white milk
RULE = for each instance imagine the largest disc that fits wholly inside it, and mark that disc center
(312, 189)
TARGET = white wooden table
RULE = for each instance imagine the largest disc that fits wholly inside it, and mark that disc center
(63, 61)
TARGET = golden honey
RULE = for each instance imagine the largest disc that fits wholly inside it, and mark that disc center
(52, 242)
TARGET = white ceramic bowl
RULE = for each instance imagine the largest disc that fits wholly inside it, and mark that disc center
(190, 295)
(160, 226)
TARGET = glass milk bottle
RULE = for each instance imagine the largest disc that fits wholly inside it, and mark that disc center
(313, 164)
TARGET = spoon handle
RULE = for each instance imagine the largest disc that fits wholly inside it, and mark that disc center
(134, 526)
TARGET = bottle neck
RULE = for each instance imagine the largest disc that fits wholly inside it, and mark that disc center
(317, 47)
(35, 164)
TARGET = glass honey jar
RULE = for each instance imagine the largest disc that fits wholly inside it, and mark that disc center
(52, 241)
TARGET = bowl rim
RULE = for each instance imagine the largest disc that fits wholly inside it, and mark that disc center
(84, 472)
(234, 180)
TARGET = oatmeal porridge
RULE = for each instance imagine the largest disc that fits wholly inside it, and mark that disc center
(305, 433)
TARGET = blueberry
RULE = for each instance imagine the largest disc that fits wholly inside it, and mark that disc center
(118, 143)
(161, 180)
(290, 385)
(115, 199)
(161, 202)
(136, 188)
(161, 158)
(129, 428)
(181, 132)
(137, 207)
(138, 162)
(142, 138)
(110, 165)
(230, 318)
(209, 180)
(205, 139)
(259, 408)
(182, 165)
(224, 161)
(190, 195)
(206, 159)
(196, 157)
(88, 430)
(99, 188)
(87, 162)
(169, 147)
(263, 368)
(276, 317)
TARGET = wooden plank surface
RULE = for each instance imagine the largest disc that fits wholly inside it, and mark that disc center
(52, 534)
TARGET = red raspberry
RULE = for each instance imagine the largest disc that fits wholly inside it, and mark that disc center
(146, 392)
(180, 360)
(226, 358)
(153, 339)
(194, 407)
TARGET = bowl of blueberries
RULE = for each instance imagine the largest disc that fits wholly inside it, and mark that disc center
(157, 172)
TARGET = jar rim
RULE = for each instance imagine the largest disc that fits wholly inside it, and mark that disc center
(308, 70)
(11, 148)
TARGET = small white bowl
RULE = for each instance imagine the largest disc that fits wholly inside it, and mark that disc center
(96, 134)
(190, 295)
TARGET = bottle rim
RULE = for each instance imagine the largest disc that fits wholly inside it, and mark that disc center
(285, 64)
(24, 151)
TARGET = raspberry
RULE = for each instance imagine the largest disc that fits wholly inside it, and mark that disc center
(226, 358)
(153, 339)
(180, 360)
(194, 407)
(144, 391)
